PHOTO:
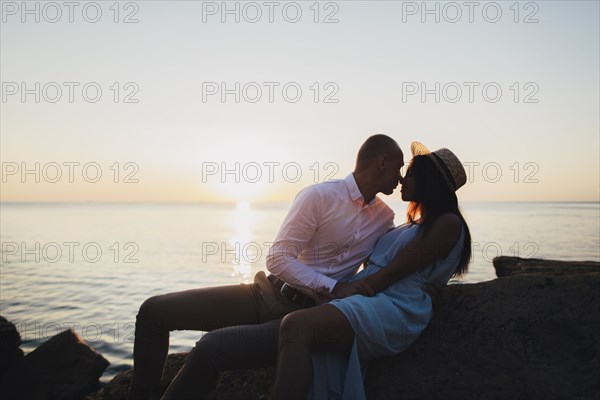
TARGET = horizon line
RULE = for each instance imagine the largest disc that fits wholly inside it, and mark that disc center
(233, 202)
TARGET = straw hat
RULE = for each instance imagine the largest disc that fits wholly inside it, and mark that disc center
(447, 163)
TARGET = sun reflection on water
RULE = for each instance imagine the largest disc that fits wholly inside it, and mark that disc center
(243, 223)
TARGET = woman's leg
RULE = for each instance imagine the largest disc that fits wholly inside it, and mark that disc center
(203, 309)
(319, 328)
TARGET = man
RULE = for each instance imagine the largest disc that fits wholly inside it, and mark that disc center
(329, 231)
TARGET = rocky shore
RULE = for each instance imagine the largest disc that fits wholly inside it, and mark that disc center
(532, 333)
(63, 367)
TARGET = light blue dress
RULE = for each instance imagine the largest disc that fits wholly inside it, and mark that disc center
(384, 324)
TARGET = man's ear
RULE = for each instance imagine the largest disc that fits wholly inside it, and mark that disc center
(381, 162)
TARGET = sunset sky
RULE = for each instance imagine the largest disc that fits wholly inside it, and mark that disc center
(513, 90)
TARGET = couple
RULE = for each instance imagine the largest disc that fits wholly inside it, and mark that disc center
(313, 316)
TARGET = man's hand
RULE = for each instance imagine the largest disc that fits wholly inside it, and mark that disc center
(341, 290)
(345, 289)
(321, 296)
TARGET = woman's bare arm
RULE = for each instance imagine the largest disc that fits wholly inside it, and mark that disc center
(420, 252)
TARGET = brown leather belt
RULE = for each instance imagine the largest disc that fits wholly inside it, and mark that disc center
(293, 295)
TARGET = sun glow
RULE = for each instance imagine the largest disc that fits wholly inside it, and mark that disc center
(242, 207)
(241, 192)
(235, 166)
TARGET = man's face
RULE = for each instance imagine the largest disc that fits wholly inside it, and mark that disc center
(391, 175)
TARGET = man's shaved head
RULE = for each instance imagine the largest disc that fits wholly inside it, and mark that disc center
(373, 147)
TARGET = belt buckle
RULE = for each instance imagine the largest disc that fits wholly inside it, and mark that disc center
(283, 289)
(296, 296)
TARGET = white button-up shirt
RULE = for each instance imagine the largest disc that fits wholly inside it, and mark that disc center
(328, 232)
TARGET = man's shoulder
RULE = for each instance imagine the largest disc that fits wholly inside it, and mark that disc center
(323, 194)
(325, 187)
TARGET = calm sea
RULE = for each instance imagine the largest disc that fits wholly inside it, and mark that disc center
(90, 266)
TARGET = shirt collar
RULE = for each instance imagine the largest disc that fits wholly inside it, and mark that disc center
(354, 192)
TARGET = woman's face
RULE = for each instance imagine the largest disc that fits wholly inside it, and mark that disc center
(408, 186)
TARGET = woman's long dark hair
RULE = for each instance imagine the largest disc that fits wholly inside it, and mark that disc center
(433, 197)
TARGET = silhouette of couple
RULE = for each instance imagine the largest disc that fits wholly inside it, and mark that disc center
(314, 316)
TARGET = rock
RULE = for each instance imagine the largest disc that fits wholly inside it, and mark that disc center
(252, 384)
(241, 384)
(506, 266)
(523, 336)
(64, 367)
(528, 336)
(10, 340)
(117, 388)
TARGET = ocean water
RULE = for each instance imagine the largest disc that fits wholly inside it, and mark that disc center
(90, 266)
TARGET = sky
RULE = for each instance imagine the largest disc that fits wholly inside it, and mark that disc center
(190, 101)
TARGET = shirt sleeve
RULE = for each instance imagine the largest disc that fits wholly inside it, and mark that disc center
(295, 234)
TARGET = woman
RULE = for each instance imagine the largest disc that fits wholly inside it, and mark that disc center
(387, 308)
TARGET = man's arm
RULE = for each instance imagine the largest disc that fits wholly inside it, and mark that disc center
(345, 289)
(297, 230)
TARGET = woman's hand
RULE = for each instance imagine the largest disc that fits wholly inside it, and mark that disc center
(341, 290)
(345, 289)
